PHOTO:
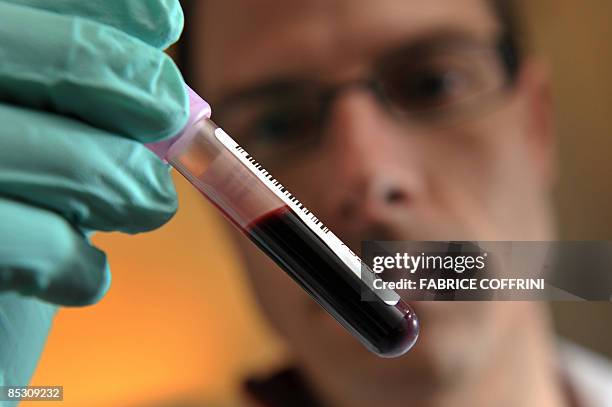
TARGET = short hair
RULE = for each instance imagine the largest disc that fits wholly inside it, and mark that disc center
(511, 41)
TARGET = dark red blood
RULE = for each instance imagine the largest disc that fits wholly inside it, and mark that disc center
(384, 329)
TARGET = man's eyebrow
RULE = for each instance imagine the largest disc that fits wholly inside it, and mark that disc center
(267, 89)
(440, 38)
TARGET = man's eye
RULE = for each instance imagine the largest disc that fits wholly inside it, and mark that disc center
(277, 127)
(430, 89)
(429, 85)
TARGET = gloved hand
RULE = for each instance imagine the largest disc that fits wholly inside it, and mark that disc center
(82, 85)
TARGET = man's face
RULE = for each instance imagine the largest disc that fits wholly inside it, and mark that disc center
(477, 173)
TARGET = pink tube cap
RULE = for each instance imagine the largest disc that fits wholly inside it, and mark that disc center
(198, 109)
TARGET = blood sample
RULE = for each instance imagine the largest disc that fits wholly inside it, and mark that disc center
(385, 329)
(288, 233)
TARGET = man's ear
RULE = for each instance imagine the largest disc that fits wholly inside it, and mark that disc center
(534, 85)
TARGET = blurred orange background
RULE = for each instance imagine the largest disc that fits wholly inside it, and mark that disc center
(179, 319)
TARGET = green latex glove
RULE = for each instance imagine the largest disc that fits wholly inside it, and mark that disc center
(24, 323)
(82, 85)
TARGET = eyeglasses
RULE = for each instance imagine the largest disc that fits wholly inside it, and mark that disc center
(433, 84)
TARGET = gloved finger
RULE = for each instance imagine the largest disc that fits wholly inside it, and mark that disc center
(157, 22)
(92, 71)
(92, 178)
(24, 325)
(43, 255)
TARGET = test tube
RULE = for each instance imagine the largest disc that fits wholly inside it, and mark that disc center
(262, 209)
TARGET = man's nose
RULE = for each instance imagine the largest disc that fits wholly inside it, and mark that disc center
(373, 158)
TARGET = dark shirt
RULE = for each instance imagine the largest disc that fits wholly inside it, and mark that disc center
(286, 388)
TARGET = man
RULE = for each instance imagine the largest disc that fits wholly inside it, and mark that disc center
(402, 120)
(394, 120)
